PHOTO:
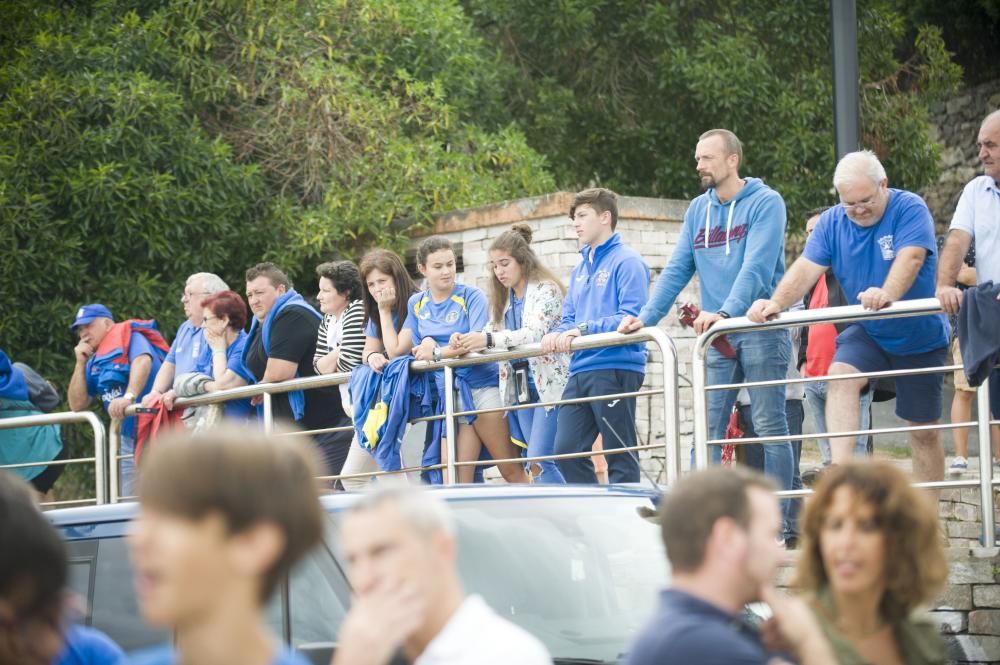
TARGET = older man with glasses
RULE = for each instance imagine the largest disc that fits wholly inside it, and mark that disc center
(189, 343)
(879, 243)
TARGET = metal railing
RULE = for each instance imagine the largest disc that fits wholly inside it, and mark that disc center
(99, 458)
(667, 370)
(853, 313)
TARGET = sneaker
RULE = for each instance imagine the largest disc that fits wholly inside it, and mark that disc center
(959, 465)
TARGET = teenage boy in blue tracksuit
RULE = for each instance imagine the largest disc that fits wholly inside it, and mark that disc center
(734, 238)
(609, 283)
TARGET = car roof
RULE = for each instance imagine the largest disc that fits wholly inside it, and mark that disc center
(123, 512)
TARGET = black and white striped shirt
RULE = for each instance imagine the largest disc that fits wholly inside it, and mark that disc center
(346, 334)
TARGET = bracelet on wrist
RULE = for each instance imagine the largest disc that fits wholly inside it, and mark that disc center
(489, 340)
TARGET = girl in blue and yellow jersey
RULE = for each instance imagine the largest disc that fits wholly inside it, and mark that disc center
(434, 318)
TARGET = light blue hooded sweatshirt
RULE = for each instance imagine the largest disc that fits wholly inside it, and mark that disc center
(737, 249)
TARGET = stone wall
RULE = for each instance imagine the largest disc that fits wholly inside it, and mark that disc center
(955, 124)
(649, 225)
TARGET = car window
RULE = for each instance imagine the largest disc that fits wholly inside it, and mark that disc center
(114, 608)
(319, 596)
(581, 573)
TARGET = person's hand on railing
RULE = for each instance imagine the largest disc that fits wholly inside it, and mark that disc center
(470, 341)
(705, 321)
(425, 350)
(763, 310)
(377, 361)
(630, 324)
(150, 397)
(950, 298)
(168, 399)
(874, 298)
(559, 342)
(117, 406)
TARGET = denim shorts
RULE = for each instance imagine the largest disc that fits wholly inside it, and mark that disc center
(918, 398)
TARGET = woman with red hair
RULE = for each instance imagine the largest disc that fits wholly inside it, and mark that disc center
(224, 319)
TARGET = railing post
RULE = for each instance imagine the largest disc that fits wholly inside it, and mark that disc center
(268, 413)
(699, 379)
(100, 458)
(449, 422)
(671, 397)
(985, 464)
(214, 415)
(114, 444)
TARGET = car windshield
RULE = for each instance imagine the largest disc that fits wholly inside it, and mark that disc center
(581, 573)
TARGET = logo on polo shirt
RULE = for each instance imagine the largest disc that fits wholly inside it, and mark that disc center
(885, 244)
(452, 316)
(602, 278)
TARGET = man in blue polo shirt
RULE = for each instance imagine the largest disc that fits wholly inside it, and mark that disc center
(879, 243)
(189, 343)
(720, 528)
(116, 361)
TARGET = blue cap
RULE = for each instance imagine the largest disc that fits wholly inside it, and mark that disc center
(88, 313)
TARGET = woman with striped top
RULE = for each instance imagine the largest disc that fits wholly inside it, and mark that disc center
(341, 336)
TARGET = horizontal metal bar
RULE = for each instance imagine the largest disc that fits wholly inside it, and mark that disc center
(523, 460)
(54, 462)
(582, 343)
(68, 502)
(599, 340)
(38, 420)
(830, 435)
(575, 400)
(543, 458)
(936, 485)
(325, 430)
(381, 472)
(848, 314)
(888, 373)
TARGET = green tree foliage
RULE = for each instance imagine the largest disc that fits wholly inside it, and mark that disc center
(137, 147)
(142, 142)
(618, 91)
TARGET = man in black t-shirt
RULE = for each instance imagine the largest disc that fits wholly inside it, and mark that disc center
(280, 347)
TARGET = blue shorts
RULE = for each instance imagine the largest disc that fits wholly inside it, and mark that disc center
(918, 398)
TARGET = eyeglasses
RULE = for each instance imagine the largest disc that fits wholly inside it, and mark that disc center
(187, 295)
(207, 319)
(865, 204)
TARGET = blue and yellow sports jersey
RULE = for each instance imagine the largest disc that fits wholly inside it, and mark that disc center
(463, 311)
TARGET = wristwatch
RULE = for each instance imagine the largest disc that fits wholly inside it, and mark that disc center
(583, 328)
(436, 353)
(129, 396)
(723, 313)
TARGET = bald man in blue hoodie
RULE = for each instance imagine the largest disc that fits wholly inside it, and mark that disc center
(734, 239)
(610, 282)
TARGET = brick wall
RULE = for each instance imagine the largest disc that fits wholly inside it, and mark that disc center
(649, 225)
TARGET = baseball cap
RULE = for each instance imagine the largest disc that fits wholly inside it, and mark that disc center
(88, 313)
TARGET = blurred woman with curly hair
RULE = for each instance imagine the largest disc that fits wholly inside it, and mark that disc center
(871, 556)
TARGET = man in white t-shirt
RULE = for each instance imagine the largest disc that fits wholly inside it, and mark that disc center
(977, 216)
(409, 604)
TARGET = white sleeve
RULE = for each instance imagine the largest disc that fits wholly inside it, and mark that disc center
(964, 218)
